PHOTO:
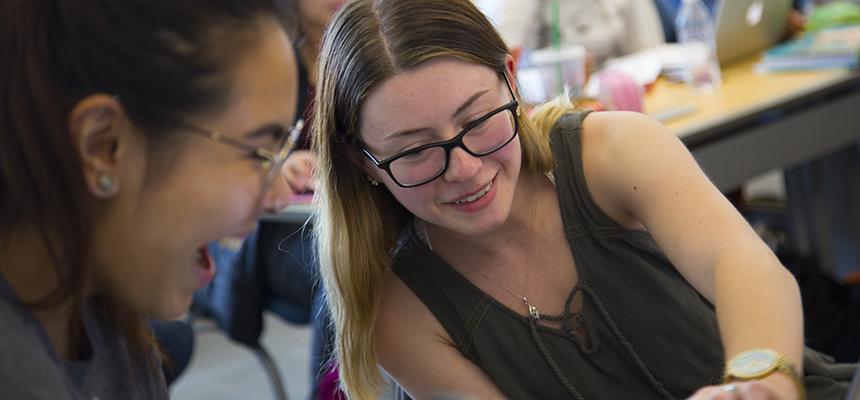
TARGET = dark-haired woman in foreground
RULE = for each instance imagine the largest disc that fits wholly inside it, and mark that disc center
(131, 134)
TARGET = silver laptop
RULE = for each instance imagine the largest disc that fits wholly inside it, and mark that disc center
(744, 27)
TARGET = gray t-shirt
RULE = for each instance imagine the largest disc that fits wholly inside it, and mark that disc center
(31, 370)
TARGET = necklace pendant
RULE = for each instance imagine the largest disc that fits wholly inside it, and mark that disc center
(533, 311)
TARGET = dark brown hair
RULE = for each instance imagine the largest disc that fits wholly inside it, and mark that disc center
(164, 59)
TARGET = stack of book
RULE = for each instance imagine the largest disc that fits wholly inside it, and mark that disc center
(830, 48)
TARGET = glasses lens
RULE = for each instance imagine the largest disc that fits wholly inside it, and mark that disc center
(491, 135)
(419, 167)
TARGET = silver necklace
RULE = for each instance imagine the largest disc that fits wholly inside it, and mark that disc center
(424, 233)
(533, 310)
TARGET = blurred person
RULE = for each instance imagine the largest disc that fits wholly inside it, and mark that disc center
(606, 28)
(132, 133)
(668, 10)
(274, 268)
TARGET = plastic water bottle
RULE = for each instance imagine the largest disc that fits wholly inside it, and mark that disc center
(695, 30)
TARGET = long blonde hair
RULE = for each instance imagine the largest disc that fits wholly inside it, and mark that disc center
(356, 224)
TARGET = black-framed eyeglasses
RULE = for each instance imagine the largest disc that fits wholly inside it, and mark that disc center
(481, 137)
(270, 161)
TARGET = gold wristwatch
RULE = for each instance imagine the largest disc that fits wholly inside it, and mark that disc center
(760, 363)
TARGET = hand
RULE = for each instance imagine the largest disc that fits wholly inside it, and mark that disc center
(796, 24)
(777, 386)
(298, 171)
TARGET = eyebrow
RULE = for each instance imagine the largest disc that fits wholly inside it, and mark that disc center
(468, 103)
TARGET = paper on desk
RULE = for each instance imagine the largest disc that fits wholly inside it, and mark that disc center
(646, 65)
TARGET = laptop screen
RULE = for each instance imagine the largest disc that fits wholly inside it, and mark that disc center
(745, 27)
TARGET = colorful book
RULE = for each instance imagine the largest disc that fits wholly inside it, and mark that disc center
(829, 48)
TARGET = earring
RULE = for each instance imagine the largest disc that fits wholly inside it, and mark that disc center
(105, 182)
(372, 181)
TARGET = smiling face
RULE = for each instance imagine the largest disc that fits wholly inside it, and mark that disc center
(147, 246)
(433, 103)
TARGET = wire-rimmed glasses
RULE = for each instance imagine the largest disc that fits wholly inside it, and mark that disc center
(271, 161)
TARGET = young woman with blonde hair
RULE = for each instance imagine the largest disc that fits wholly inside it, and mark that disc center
(469, 248)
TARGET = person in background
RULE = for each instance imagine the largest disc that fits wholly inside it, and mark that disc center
(606, 28)
(668, 10)
(118, 119)
(469, 247)
(310, 18)
(313, 17)
(274, 268)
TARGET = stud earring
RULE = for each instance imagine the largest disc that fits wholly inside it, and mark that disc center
(105, 182)
(372, 181)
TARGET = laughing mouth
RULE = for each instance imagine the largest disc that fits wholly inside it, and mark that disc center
(481, 193)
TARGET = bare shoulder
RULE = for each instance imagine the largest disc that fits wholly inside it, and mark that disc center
(618, 150)
(618, 130)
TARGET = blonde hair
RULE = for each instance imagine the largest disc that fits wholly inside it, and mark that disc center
(356, 224)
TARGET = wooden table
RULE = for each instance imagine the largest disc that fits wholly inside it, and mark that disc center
(758, 122)
(807, 123)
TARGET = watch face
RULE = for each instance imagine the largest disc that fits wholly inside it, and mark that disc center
(753, 363)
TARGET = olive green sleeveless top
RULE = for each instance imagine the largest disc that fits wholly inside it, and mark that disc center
(652, 335)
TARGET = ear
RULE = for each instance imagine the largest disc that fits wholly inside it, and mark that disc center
(96, 124)
(516, 54)
(511, 67)
(511, 72)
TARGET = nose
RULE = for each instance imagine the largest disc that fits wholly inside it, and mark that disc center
(462, 166)
(277, 195)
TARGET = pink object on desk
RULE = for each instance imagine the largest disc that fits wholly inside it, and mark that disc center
(618, 91)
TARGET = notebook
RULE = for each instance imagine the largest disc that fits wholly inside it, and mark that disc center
(829, 48)
(744, 27)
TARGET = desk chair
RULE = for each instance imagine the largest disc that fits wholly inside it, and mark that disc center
(270, 369)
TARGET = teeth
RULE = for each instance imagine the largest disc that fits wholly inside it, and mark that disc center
(476, 196)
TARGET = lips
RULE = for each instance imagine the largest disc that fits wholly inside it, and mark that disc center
(477, 194)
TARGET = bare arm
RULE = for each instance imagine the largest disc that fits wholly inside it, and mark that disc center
(642, 175)
(416, 351)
